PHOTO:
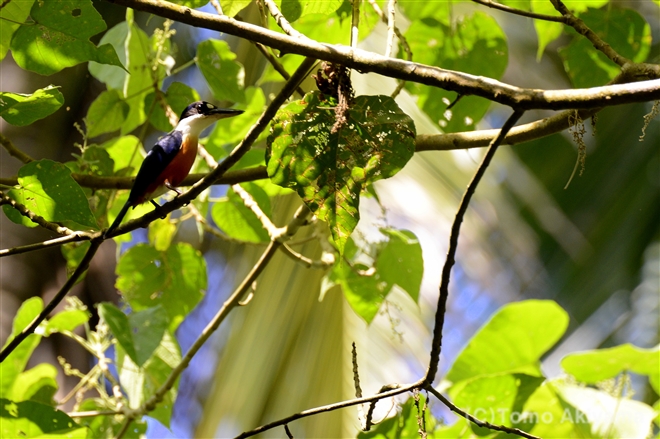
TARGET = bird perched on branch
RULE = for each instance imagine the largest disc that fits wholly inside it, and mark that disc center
(171, 158)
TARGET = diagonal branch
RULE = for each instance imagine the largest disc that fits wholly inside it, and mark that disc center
(510, 10)
(13, 151)
(365, 61)
(70, 282)
(436, 343)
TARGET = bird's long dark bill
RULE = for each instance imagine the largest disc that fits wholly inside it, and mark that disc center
(226, 112)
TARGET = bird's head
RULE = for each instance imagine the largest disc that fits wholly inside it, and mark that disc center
(201, 114)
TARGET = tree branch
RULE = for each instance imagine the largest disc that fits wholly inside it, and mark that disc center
(479, 422)
(70, 282)
(42, 245)
(436, 343)
(13, 151)
(365, 61)
(510, 10)
(49, 225)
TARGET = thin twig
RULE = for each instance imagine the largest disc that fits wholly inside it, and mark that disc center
(479, 422)
(356, 382)
(49, 225)
(70, 282)
(436, 343)
(279, 68)
(391, 24)
(13, 151)
(250, 203)
(42, 245)
(355, 22)
(510, 10)
(281, 21)
(327, 408)
(327, 259)
(576, 23)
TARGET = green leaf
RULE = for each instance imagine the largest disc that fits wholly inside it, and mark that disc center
(174, 278)
(106, 114)
(330, 169)
(362, 287)
(59, 38)
(601, 364)
(224, 75)
(546, 31)
(139, 81)
(126, 152)
(23, 109)
(74, 252)
(12, 14)
(112, 76)
(178, 96)
(66, 321)
(489, 398)
(513, 340)
(38, 384)
(29, 419)
(237, 220)
(546, 415)
(475, 45)
(139, 333)
(141, 383)
(400, 261)
(294, 9)
(609, 416)
(47, 189)
(233, 7)
(624, 29)
(498, 399)
(15, 362)
(161, 234)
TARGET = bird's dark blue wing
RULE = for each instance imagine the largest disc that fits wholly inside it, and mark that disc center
(155, 163)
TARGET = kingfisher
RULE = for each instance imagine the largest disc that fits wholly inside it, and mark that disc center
(171, 158)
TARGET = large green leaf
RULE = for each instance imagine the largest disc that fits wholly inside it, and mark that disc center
(107, 113)
(329, 169)
(23, 109)
(59, 37)
(513, 340)
(139, 82)
(113, 76)
(608, 416)
(223, 73)
(237, 220)
(29, 419)
(400, 261)
(140, 383)
(623, 29)
(139, 333)
(47, 189)
(15, 362)
(174, 279)
(476, 45)
(38, 384)
(12, 14)
(294, 9)
(601, 364)
(126, 152)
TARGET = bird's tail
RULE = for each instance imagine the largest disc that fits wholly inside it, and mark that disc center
(117, 220)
